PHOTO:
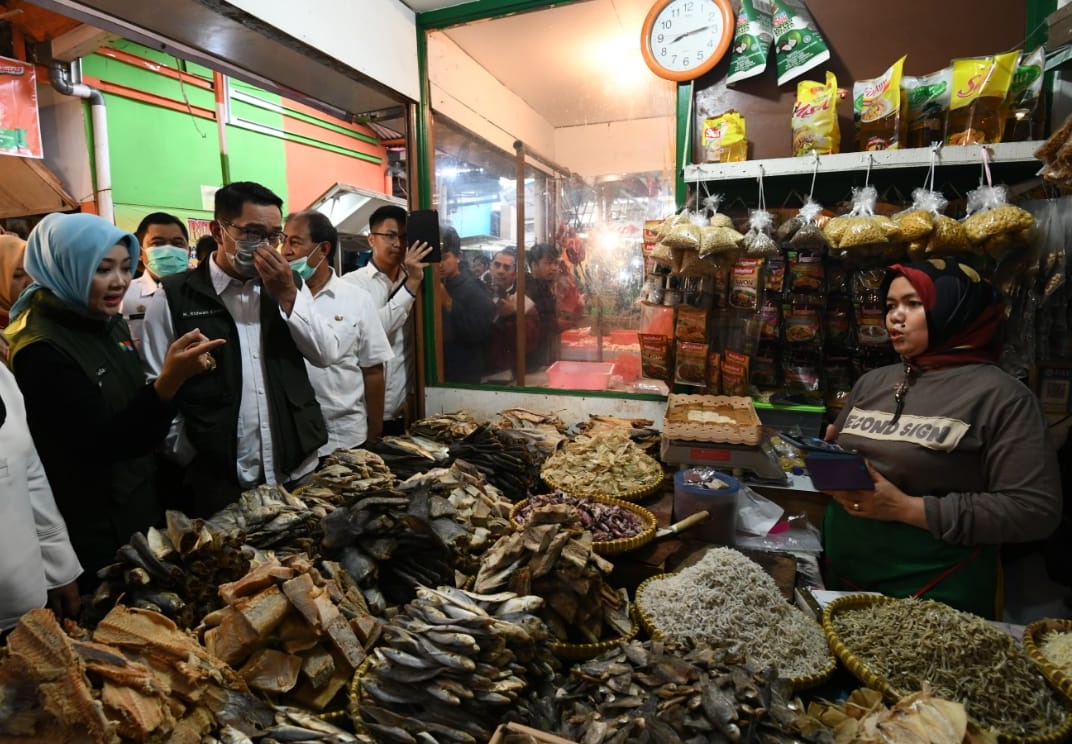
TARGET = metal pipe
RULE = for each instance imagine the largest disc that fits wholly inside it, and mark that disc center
(519, 266)
(59, 74)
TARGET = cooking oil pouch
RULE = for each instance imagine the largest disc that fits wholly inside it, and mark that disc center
(927, 105)
(724, 139)
(798, 44)
(751, 41)
(876, 106)
(1023, 109)
(980, 85)
(815, 122)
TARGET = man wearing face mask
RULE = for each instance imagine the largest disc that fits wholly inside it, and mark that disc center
(351, 392)
(165, 250)
(254, 418)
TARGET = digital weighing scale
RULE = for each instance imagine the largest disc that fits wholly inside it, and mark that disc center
(759, 461)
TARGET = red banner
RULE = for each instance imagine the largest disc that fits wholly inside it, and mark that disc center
(20, 127)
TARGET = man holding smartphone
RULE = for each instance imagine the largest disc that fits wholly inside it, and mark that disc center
(393, 277)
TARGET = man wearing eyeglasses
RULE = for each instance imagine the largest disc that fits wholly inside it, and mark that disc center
(254, 417)
(393, 277)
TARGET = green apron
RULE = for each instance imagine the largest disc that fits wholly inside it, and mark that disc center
(900, 560)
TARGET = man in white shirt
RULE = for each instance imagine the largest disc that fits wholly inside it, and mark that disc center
(165, 250)
(350, 391)
(255, 418)
(393, 278)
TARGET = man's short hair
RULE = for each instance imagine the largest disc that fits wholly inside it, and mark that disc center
(511, 252)
(205, 245)
(159, 218)
(320, 229)
(231, 198)
(449, 240)
(540, 251)
(384, 213)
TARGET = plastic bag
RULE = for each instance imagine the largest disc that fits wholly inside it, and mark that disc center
(993, 226)
(756, 514)
(759, 240)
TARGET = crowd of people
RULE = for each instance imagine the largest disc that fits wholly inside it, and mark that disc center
(124, 397)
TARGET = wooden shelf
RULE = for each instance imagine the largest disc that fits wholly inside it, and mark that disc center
(1002, 153)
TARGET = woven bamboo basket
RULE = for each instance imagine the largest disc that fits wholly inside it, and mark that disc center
(648, 525)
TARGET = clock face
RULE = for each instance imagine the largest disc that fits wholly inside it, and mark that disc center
(683, 39)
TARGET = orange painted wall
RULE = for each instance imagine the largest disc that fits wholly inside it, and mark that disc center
(311, 171)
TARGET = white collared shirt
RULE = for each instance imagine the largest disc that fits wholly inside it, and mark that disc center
(340, 388)
(394, 302)
(311, 335)
(135, 302)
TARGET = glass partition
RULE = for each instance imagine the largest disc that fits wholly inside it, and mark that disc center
(551, 146)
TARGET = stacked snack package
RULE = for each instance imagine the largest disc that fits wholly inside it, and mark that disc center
(980, 85)
(725, 139)
(815, 121)
(877, 110)
(927, 105)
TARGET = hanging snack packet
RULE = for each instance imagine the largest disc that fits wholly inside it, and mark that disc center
(980, 85)
(917, 223)
(690, 364)
(691, 324)
(724, 139)
(714, 373)
(759, 240)
(744, 284)
(799, 45)
(751, 41)
(876, 108)
(809, 237)
(654, 356)
(994, 226)
(1024, 113)
(927, 106)
(815, 122)
(735, 373)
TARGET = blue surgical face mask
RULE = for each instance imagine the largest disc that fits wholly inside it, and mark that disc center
(302, 268)
(243, 256)
(165, 260)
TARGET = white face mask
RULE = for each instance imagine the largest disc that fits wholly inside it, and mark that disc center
(243, 257)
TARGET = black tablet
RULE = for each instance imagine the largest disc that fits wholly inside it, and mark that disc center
(422, 226)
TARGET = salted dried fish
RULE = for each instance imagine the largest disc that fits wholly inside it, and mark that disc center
(606, 463)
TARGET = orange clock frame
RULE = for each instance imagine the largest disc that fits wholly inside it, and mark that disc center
(723, 45)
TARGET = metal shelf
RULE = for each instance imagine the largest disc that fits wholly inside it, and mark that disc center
(1001, 153)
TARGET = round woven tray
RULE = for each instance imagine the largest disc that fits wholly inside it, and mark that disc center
(1034, 635)
(870, 678)
(804, 682)
(648, 525)
(585, 651)
(639, 493)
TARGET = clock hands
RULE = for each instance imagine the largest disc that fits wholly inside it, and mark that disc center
(694, 31)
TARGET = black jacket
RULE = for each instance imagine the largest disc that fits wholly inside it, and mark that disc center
(467, 329)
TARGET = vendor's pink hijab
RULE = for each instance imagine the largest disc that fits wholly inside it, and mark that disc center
(12, 249)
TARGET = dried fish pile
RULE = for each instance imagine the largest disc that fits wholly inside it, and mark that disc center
(460, 492)
(346, 473)
(174, 571)
(919, 718)
(541, 433)
(663, 691)
(604, 521)
(964, 658)
(506, 464)
(640, 430)
(1056, 646)
(557, 562)
(292, 632)
(451, 665)
(140, 678)
(607, 463)
(445, 427)
(408, 455)
(388, 542)
(727, 598)
(270, 517)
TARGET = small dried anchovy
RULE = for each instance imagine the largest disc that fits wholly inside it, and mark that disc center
(964, 658)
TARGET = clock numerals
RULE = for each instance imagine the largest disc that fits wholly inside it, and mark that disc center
(685, 38)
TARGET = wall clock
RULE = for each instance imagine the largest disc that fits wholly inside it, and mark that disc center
(683, 39)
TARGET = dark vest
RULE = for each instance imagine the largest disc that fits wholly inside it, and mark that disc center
(209, 403)
(104, 509)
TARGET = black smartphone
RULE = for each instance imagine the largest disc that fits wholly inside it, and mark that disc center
(422, 226)
(831, 467)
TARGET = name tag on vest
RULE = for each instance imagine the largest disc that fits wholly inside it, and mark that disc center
(203, 313)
